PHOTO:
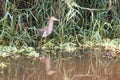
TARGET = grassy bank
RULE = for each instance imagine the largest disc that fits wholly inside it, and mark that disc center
(82, 23)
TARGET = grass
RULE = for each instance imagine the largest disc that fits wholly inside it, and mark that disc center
(83, 23)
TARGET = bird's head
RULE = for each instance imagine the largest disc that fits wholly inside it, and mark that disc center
(54, 19)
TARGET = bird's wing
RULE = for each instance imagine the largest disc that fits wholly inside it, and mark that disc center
(44, 34)
(41, 31)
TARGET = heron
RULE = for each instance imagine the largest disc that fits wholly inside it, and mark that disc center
(47, 30)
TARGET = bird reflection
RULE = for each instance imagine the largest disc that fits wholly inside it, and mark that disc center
(48, 66)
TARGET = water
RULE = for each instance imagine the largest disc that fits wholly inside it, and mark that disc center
(84, 68)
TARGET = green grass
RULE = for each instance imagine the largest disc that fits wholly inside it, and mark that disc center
(81, 21)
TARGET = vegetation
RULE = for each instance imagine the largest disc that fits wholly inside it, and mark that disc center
(86, 26)
(86, 23)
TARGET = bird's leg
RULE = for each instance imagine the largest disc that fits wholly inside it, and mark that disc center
(36, 43)
(44, 40)
(40, 46)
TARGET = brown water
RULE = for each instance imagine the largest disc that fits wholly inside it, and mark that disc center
(66, 69)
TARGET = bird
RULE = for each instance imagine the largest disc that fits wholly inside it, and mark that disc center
(47, 30)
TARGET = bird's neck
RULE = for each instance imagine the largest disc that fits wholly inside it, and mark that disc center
(50, 23)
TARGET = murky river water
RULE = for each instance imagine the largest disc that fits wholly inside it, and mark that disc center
(66, 69)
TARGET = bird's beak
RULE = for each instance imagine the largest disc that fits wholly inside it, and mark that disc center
(57, 19)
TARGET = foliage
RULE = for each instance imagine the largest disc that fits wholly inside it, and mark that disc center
(81, 21)
(6, 51)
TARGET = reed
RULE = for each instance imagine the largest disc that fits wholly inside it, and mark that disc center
(81, 21)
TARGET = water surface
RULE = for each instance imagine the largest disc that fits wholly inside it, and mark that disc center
(84, 68)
